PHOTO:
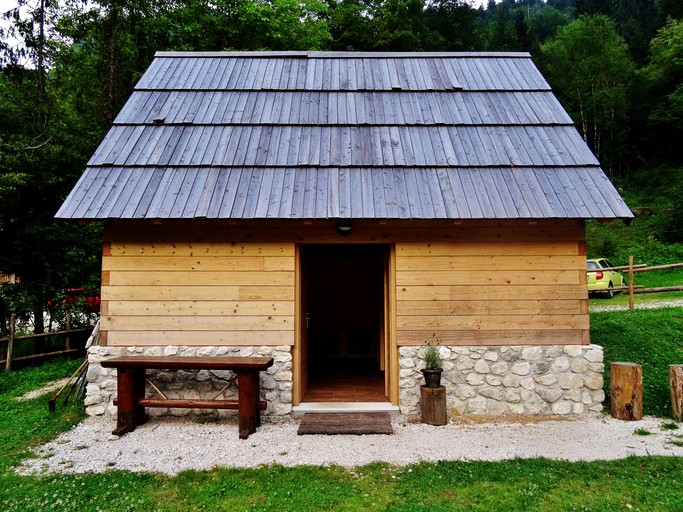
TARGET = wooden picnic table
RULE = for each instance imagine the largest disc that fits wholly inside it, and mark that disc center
(131, 400)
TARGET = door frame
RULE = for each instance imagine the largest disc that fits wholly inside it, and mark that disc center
(388, 348)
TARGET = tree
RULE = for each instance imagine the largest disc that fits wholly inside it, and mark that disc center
(590, 70)
(663, 92)
(635, 20)
(544, 24)
(42, 152)
(456, 22)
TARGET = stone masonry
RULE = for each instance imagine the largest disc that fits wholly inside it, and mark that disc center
(518, 380)
(480, 381)
(276, 382)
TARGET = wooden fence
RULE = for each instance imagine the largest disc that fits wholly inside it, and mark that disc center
(68, 336)
(634, 289)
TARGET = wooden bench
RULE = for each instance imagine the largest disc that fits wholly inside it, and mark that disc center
(131, 401)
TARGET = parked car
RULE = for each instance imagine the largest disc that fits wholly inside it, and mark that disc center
(86, 300)
(602, 279)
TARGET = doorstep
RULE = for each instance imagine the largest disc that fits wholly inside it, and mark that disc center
(313, 407)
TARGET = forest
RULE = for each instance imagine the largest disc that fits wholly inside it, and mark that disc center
(67, 67)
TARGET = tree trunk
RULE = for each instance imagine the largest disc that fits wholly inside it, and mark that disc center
(433, 405)
(676, 385)
(113, 61)
(626, 391)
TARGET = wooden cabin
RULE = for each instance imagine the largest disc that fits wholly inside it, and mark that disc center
(340, 211)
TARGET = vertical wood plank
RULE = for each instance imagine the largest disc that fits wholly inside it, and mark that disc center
(392, 338)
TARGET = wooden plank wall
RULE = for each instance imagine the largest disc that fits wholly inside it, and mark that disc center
(198, 293)
(470, 283)
(522, 285)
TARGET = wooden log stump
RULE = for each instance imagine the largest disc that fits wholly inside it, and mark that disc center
(433, 405)
(626, 391)
(676, 385)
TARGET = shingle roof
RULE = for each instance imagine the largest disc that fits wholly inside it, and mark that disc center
(343, 135)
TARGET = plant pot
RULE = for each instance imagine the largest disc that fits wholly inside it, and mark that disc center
(432, 378)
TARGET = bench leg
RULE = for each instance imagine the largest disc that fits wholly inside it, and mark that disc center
(130, 388)
(139, 385)
(247, 399)
(257, 399)
(125, 417)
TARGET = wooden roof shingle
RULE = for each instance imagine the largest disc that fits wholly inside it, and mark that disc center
(249, 135)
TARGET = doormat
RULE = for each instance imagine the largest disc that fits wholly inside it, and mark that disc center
(358, 423)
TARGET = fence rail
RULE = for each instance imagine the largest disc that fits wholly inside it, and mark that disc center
(638, 289)
(8, 344)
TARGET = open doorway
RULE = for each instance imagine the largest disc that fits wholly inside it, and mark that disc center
(342, 322)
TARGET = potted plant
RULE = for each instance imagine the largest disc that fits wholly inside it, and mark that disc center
(433, 367)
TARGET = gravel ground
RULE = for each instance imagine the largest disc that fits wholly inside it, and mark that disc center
(673, 303)
(170, 445)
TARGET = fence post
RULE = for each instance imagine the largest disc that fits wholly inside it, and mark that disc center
(630, 282)
(67, 345)
(676, 386)
(10, 341)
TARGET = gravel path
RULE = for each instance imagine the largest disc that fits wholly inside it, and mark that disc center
(673, 303)
(170, 445)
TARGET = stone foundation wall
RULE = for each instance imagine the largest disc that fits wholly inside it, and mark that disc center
(276, 382)
(485, 381)
(520, 380)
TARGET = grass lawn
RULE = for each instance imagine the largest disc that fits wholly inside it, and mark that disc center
(653, 338)
(646, 484)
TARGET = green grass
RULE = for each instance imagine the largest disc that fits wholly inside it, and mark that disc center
(653, 338)
(639, 483)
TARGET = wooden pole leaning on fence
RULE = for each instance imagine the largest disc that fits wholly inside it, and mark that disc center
(626, 391)
(676, 385)
(10, 341)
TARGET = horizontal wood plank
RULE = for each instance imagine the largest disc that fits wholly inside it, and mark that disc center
(537, 263)
(199, 338)
(198, 323)
(491, 248)
(492, 322)
(489, 307)
(199, 308)
(215, 249)
(249, 363)
(281, 233)
(493, 338)
(481, 292)
(201, 263)
(199, 278)
(487, 278)
(179, 403)
(193, 292)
